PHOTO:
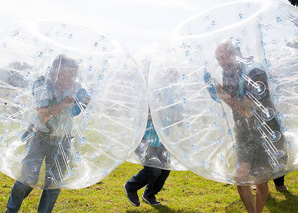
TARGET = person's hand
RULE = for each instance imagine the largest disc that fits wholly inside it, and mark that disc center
(244, 108)
(247, 107)
(246, 112)
(222, 94)
(68, 101)
(82, 96)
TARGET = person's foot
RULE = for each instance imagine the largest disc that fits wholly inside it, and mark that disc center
(132, 196)
(281, 188)
(150, 200)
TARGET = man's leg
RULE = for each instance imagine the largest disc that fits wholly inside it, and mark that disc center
(18, 193)
(57, 162)
(29, 174)
(279, 181)
(155, 186)
(144, 177)
(55, 168)
(47, 200)
(31, 164)
(261, 196)
(247, 198)
(245, 191)
(280, 184)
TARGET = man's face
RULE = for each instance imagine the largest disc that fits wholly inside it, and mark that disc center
(66, 77)
(225, 59)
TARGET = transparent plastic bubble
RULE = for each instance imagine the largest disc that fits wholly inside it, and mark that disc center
(72, 104)
(223, 92)
(151, 151)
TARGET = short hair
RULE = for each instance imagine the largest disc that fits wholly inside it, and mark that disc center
(230, 46)
(61, 62)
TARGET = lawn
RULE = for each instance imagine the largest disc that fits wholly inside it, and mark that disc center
(183, 192)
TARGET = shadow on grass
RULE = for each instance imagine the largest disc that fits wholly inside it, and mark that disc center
(290, 204)
(160, 208)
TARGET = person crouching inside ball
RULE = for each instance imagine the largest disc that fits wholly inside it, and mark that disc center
(49, 141)
(245, 90)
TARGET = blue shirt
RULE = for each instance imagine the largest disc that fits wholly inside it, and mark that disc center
(151, 136)
(48, 95)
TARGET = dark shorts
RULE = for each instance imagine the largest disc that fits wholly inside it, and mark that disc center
(250, 150)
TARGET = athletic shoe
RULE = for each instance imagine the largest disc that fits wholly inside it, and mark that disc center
(132, 196)
(150, 200)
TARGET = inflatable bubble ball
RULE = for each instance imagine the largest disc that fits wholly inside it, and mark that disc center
(223, 92)
(72, 104)
(151, 151)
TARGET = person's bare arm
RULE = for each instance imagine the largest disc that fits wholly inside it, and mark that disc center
(243, 108)
(46, 113)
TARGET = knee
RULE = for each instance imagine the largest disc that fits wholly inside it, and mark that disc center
(262, 187)
(19, 185)
(20, 191)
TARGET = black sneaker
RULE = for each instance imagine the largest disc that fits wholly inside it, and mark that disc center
(150, 200)
(132, 196)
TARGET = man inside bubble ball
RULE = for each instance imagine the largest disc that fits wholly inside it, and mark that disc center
(259, 141)
(55, 96)
(153, 156)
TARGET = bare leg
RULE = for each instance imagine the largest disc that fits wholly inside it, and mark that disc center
(247, 198)
(261, 196)
(245, 191)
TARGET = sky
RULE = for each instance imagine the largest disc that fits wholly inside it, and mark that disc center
(136, 24)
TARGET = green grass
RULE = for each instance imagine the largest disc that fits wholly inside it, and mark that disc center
(183, 192)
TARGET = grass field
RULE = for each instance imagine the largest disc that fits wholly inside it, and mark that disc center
(183, 192)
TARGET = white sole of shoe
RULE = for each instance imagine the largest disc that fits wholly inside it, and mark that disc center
(157, 204)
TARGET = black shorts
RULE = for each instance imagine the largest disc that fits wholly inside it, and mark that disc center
(250, 150)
